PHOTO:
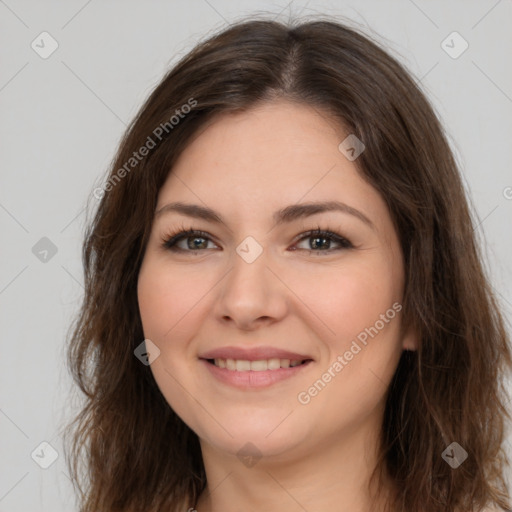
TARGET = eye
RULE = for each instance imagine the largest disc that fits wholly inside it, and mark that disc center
(189, 240)
(320, 241)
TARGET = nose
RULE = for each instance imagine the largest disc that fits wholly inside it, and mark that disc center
(251, 295)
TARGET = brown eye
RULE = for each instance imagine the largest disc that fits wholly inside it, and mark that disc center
(320, 240)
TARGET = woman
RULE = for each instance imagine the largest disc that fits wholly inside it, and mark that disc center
(285, 306)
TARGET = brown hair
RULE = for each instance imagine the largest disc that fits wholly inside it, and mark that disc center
(135, 452)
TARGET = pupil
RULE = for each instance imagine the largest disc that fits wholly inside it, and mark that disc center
(196, 244)
(315, 245)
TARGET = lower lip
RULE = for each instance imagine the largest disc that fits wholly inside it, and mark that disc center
(252, 379)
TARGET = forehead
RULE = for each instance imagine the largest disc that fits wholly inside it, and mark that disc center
(274, 135)
(254, 162)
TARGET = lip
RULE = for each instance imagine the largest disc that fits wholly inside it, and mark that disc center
(251, 379)
(253, 354)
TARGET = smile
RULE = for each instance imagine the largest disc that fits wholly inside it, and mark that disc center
(244, 365)
(261, 373)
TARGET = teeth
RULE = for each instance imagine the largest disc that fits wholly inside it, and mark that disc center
(243, 365)
(258, 366)
(273, 364)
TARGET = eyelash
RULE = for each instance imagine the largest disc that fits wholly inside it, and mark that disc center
(170, 240)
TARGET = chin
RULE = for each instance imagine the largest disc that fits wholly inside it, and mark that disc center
(263, 438)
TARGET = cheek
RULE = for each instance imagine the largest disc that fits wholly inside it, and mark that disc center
(167, 299)
(362, 308)
(156, 304)
(168, 306)
(350, 298)
(355, 303)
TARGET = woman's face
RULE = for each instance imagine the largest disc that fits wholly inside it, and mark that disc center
(261, 290)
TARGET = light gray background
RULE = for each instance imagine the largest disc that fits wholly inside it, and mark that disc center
(62, 118)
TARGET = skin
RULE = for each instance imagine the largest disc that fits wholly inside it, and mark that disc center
(245, 166)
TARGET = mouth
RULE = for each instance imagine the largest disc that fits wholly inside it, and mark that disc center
(254, 367)
(255, 374)
(260, 365)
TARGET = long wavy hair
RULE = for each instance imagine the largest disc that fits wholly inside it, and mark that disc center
(126, 448)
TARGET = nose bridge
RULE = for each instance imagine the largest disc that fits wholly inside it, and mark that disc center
(249, 268)
(250, 290)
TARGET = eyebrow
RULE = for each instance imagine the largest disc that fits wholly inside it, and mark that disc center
(284, 215)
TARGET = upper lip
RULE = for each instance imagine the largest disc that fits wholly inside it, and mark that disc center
(252, 354)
